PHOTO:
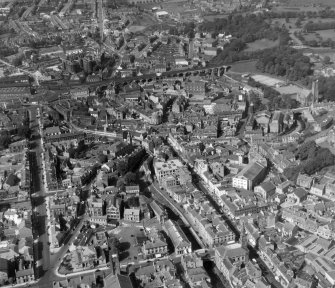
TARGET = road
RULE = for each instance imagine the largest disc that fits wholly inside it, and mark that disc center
(154, 189)
(49, 264)
(38, 190)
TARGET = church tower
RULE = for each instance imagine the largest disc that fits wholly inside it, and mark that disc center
(315, 91)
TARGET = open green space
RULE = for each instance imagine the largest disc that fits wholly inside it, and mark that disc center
(261, 44)
(303, 4)
(244, 67)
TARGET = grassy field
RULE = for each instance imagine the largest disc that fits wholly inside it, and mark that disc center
(279, 22)
(307, 3)
(325, 34)
(320, 35)
(144, 21)
(136, 28)
(213, 17)
(244, 67)
(261, 44)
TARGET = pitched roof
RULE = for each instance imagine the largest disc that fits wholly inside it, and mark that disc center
(117, 281)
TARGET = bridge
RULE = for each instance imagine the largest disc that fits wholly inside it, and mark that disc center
(217, 70)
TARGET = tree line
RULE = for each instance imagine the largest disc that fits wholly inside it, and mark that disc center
(284, 61)
(314, 26)
(313, 158)
(276, 100)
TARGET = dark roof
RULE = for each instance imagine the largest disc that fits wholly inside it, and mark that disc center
(300, 192)
(117, 281)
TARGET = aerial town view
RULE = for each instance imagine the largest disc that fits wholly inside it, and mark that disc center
(167, 143)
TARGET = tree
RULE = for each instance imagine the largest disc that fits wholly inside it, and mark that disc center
(326, 60)
(132, 58)
(298, 23)
(133, 202)
(17, 61)
(4, 141)
(130, 178)
(102, 158)
(23, 131)
(121, 167)
(120, 183)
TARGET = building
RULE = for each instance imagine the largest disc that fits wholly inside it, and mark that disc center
(266, 189)
(25, 276)
(249, 176)
(117, 281)
(180, 242)
(132, 215)
(154, 248)
(304, 181)
(132, 191)
(276, 123)
(52, 131)
(18, 146)
(170, 167)
(113, 208)
(227, 258)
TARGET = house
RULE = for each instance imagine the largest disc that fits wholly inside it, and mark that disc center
(179, 240)
(210, 51)
(297, 196)
(132, 215)
(159, 212)
(289, 229)
(25, 276)
(194, 272)
(266, 189)
(217, 168)
(263, 119)
(52, 131)
(18, 146)
(229, 256)
(101, 220)
(154, 248)
(318, 189)
(95, 207)
(283, 188)
(304, 181)
(113, 208)
(132, 191)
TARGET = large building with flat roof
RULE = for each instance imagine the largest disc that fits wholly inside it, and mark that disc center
(167, 168)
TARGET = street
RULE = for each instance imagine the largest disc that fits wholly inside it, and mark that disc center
(38, 192)
(47, 265)
(267, 273)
